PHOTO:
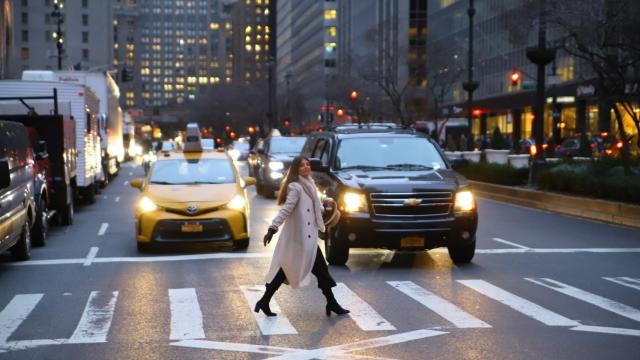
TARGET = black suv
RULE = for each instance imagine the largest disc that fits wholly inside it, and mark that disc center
(395, 190)
(270, 160)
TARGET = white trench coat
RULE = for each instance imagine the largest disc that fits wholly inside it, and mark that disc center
(296, 249)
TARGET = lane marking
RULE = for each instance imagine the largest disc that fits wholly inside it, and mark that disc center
(519, 304)
(117, 199)
(15, 312)
(103, 229)
(186, 317)
(126, 183)
(130, 173)
(440, 306)
(95, 322)
(269, 325)
(607, 330)
(593, 299)
(511, 243)
(90, 256)
(625, 281)
(105, 197)
(362, 313)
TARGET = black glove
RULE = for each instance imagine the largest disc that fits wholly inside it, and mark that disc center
(269, 235)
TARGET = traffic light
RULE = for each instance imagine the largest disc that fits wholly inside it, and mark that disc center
(340, 112)
(515, 78)
(232, 135)
(126, 75)
(286, 123)
(354, 95)
(227, 128)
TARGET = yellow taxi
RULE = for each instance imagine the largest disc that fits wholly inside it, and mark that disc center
(195, 196)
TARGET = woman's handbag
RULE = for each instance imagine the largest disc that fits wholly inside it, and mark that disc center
(331, 214)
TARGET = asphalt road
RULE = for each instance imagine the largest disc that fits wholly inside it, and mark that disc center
(541, 286)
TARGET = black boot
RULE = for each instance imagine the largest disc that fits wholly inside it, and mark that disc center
(263, 303)
(332, 304)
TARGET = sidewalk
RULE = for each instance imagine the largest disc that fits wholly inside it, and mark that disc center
(593, 209)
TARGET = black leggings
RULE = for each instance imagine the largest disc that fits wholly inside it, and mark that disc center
(320, 270)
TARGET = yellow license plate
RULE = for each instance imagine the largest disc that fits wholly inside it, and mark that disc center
(412, 241)
(191, 227)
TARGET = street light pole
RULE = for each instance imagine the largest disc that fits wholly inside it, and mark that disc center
(470, 86)
(57, 14)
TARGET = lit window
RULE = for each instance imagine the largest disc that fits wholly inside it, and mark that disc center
(130, 94)
(257, 47)
(330, 14)
(330, 47)
(332, 31)
(247, 39)
(227, 26)
(191, 79)
(247, 29)
(214, 26)
(247, 47)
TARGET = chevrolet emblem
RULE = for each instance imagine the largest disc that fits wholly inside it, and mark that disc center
(412, 202)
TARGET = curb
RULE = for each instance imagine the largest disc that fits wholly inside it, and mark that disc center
(592, 209)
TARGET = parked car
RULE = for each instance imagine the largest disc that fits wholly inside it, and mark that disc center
(395, 190)
(17, 207)
(571, 147)
(271, 159)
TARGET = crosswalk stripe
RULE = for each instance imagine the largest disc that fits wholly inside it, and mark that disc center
(95, 322)
(269, 325)
(15, 312)
(440, 306)
(519, 304)
(186, 317)
(625, 281)
(361, 312)
(593, 299)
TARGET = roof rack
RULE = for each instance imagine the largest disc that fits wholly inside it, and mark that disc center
(376, 126)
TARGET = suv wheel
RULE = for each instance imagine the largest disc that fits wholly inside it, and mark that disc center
(337, 254)
(22, 249)
(41, 225)
(463, 253)
(259, 186)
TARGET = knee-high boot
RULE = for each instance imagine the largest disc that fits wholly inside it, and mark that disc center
(332, 303)
(263, 303)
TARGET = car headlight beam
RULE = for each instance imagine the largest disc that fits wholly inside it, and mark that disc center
(237, 203)
(276, 165)
(464, 201)
(147, 205)
(354, 202)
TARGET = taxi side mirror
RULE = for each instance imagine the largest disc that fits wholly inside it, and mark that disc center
(248, 181)
(136, 183)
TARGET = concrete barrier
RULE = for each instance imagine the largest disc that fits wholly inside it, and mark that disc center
(593, 209)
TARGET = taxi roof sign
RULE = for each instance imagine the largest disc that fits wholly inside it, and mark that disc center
(193, 138)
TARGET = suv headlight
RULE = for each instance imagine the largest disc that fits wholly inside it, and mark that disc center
(353, 202)
(464, 201)
(237, 203)
(276, 165)
(147, 205)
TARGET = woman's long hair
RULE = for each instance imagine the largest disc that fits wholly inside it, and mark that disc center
(292, 175)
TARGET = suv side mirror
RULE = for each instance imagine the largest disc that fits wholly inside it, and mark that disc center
(459, 164)
(317, 165)
(41, 151)
(5, 174)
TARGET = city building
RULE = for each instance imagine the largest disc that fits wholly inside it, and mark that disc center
(252, 40)
(6, 36)
(501, 38)
(85, 34)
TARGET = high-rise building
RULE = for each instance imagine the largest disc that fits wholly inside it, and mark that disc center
(6, 36)
(252, 40)
(85, 29)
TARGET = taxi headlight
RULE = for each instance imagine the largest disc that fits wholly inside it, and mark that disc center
(464, 201)
(237, 203)
(354, 202)
(235, 154)
(276, 165)
(147, 205)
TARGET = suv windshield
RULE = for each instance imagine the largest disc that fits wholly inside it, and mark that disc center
(388, 152)
(287, 145)
(183, 172)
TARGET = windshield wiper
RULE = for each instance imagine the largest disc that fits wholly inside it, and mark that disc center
(425, 167)
(163, 183)
(201, 182)
(363, 167)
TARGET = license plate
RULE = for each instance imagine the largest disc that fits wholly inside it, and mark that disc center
(191, 227)
(412, 241)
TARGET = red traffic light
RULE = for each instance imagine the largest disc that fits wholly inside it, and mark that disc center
(340, 112)
(227, 128)
(354, 95)
(286, 123)
(477, 112)
(515, 78)
(232, 135)
(218, 141)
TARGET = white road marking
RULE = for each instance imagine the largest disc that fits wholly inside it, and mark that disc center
(126, 183)
(130, 173)
(269, 325)
(186, 317)
(511, 243)
(361, 312)
(90, 256)
(103, 229)
(625, 281)
(95, 322)
(117, 199)
(607, 330)
(519, 304)
(593, 299)
(15, 312)
(440, 306)
(105, 197)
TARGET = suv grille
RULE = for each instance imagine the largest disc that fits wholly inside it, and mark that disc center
(423, 204)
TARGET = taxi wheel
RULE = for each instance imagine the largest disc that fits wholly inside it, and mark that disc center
(241, 244)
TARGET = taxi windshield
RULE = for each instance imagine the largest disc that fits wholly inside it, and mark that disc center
(389, 153)
(287, 145)
(187, 172)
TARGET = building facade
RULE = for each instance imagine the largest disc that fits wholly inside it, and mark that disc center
(86, 35)
(6, 36)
